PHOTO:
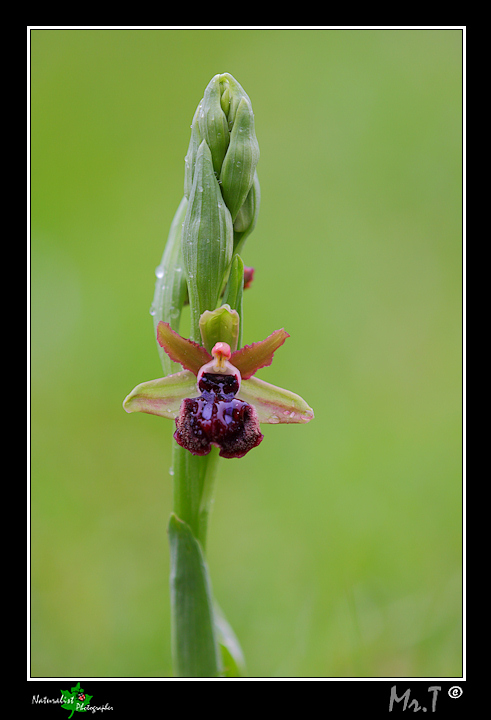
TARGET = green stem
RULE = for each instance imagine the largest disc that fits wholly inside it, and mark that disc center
(221, 188)
(194, 481)
(195, 644)
(207, 496)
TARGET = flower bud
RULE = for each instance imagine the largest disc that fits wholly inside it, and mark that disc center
(246, 219)
(232, 93)
(240, 162)
(213, 124)
(207, 239)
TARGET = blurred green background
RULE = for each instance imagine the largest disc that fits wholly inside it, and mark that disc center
(334, 547)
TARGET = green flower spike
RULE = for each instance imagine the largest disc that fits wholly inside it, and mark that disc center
(210, 389)
(216, 400)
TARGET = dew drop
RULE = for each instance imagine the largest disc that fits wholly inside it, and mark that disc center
(274, 419)
(159, 271)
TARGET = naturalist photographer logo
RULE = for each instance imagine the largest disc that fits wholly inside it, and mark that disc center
(73, 700)
(76, 700)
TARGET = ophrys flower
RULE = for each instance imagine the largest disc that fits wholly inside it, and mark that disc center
(215, 399)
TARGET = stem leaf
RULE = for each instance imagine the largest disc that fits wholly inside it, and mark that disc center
(170, 287)
(194, 643)
(232, 655)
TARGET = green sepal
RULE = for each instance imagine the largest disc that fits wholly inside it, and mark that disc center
(207, 239)
(170, 287)
(240, 162)
(195, 651)
(163, 396)
(273, 404)
(220, 325)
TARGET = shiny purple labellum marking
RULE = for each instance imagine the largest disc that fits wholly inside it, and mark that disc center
(218, 418)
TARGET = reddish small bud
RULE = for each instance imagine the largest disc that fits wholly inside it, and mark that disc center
(248, 276)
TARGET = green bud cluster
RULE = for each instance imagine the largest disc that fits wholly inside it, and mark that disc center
(225, 121)
(219, 210)
(222, 189)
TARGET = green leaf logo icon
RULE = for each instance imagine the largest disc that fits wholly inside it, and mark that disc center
(75, 700)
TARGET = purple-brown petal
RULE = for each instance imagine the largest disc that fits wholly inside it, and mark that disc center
(188, 432)
(218, 418)
(249, 359)
(248, 436)
(186, 352)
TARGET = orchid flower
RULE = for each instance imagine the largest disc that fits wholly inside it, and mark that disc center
(215, 399)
